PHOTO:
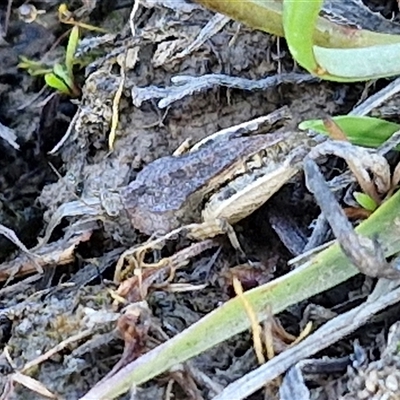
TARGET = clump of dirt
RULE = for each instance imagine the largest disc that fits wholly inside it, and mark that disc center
(65, 207)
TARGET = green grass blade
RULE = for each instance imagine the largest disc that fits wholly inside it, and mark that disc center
(362, 131)
(71, 49)
(326, 270)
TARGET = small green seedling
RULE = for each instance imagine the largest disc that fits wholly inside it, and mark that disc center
(60, 76)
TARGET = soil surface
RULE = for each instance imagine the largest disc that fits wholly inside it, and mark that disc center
(59, 194)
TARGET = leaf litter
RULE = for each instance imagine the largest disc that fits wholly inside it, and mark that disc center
(64, 337)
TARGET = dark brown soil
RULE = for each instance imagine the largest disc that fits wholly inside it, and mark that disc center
(73, 295)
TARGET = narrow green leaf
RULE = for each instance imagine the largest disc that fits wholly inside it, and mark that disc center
(362, 131)
(62, 74)
(34, 68)
(299, 20)
(61, 71)
(71, 49)
(55, 82)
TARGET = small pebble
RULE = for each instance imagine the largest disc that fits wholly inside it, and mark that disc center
(371, 381)
(363, 394)
(392, 383)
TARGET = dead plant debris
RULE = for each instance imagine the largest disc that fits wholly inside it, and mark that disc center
(86, 298)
